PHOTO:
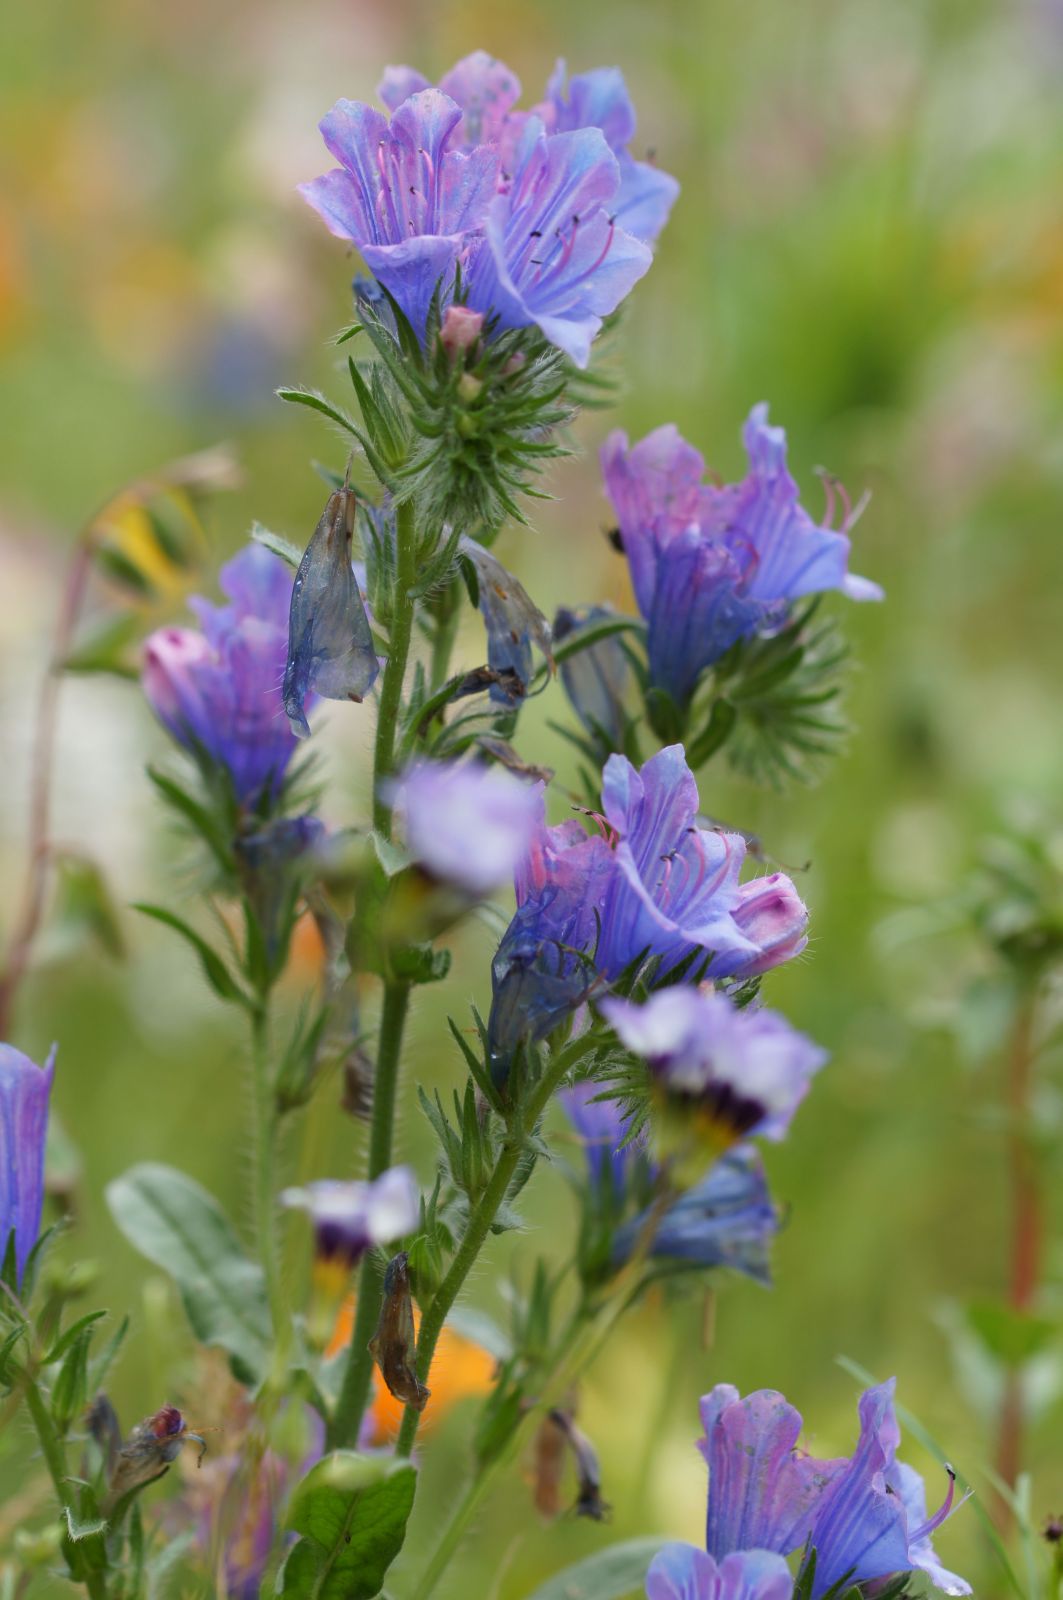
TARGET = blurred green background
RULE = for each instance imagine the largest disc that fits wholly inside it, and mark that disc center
(869, 236)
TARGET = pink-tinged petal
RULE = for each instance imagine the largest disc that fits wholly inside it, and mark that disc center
(486, 90)
(397, 85)
(771, 914)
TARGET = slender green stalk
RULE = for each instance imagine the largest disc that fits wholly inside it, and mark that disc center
(445, 634)
(476, 1231)
(400, 634)
(265, 1184)
(356, 1379)
(485, 1479)
(54, 1460)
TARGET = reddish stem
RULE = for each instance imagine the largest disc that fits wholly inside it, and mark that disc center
(1027, 1226)
(39, 845)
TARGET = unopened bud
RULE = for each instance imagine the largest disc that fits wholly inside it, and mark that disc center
(460, 329)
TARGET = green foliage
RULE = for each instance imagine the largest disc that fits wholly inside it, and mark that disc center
(351, 1512)
(182, 1230)
(214, 968)
(615, 1573)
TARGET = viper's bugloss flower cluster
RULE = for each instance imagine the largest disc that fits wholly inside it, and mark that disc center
(864, 1516)
(711, 564)
(544, 215)
(649, 883)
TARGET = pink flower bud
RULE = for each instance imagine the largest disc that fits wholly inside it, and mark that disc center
(771, 913)
(461, 329)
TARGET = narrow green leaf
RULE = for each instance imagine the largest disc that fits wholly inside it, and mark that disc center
(62, 1345)
(610, 1574)
(79, 1529)
(215, 971)
(179, 1227)
(352, 1512)
(278, 544)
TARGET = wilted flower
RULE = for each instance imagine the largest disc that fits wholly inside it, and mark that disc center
(599, 99)
(330, 645)
(865, 1517)
(218, 692)
(652, 883)
(25, 1090)
(595, 679)
(513, 622)
(467, 824)
(682, 1572)
(152, 1446)
(350, 1217)
(717, 1069)
(711, 565)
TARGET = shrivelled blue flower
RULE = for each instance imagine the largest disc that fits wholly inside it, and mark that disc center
(595, 679)
(330, 645)
(467, 824)
(726, 1220)
(871, 1520)
(599, 99)
(711, 565)
(405, 192)
(25, 1090)
(682, 1572)
(513, 621)
(742, 1071)
(351, 1217)
(553, 254)
(652, 883)
(218, 692)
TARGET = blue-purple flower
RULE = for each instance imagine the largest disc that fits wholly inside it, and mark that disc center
(406, 192)
(599, 99)
(871, 1520)
(650, 884)
(350, 1217)
(468, 825)
(330, 645)
(713, 564)
(864, 1516)
(25, 1090)
(218, 692)
(682, 1572)
(730, 1072)
(459, 179)
(728, 1219)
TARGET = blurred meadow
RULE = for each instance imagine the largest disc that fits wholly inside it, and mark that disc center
(869, 236)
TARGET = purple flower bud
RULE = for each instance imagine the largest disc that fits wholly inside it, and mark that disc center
(595, 679)
(25, 1090)
(350, 1218)
(739, 1072)
(468, 825)
(772, 915)
(713, 564)
(218, 692)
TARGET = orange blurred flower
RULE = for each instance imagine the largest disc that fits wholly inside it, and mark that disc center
(461, 1368)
